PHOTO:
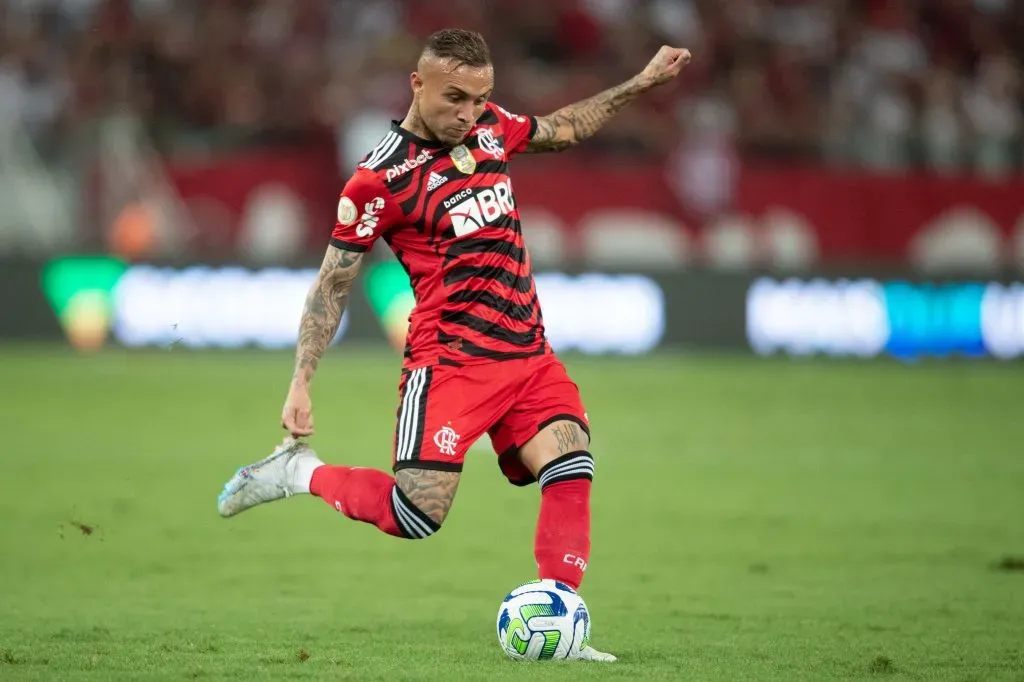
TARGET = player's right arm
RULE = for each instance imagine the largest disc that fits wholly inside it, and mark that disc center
(325, 304)
(321, 316)
(365, 212)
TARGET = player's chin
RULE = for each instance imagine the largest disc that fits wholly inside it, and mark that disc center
(454, 136)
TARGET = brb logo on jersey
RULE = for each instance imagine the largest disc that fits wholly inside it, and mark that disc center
(368, 221)
(473, 208)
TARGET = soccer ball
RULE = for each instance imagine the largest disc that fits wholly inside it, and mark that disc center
(543, 620)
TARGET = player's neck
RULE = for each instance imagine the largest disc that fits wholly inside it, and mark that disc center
(415, 125)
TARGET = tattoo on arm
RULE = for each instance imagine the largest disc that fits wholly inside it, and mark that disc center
(431, 491)
(572, 124)
(569, 435)
(325, 305)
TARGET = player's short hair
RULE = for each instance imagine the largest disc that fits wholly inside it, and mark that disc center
(465, 47)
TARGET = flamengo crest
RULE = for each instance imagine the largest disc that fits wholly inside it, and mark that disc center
(490, 144)
(446, 439)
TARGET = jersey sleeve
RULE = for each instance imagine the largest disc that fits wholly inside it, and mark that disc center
(366, 211)
(518, 129)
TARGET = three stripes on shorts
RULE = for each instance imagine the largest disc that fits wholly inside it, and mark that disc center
(412, 414)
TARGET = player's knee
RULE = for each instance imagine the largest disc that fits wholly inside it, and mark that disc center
(421, 499)
(414, 523)
(558, 443)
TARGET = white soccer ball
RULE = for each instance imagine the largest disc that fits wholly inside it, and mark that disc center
(543, 620)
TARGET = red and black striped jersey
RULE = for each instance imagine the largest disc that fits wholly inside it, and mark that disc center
(449, 215)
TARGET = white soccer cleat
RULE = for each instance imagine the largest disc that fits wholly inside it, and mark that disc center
(589, 653)
(271, 478)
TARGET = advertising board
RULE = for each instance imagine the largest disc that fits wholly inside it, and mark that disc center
(869, 317)
(92, 301)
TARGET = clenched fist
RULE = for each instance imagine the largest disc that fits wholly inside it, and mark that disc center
(665, 66)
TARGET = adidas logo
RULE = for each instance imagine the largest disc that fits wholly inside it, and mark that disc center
(435, 181)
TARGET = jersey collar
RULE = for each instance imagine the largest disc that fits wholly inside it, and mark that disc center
(396, 127)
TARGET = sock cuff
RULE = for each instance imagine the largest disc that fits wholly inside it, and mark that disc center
(568, 467)
(411, 521)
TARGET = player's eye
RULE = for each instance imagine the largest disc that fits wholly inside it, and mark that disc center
(481, 100)
(454, 97)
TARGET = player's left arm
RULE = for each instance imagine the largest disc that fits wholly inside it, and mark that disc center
(571, 125)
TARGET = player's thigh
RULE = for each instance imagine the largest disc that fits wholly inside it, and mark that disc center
(548, 422)
(556, 440)
(442, 411)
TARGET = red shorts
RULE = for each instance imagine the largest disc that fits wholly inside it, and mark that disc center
(444, 409)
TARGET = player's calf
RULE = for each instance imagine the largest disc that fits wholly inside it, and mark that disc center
(564, 468)
(562, 540)
(411, 505)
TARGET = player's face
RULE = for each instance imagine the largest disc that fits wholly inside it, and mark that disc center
(451, 99)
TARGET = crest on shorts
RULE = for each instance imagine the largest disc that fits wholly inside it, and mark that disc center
(463, 159)
(446, 439)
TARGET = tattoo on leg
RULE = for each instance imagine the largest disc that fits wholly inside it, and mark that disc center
(569, 436)
(431, 491)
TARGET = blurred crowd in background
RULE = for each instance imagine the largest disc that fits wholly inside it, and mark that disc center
(880, 84)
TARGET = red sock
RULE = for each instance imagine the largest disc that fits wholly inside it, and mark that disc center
(371, 496)
(562, 543)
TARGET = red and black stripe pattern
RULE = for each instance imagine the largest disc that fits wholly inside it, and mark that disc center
(463, 247)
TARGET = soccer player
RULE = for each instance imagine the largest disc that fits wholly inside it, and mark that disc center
(436, 189)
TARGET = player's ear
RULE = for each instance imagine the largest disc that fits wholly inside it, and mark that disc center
(416, 82)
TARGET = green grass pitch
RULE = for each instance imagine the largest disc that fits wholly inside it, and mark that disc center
(753, 520)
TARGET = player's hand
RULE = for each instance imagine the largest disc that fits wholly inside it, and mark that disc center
(297, 415)
(666, 65)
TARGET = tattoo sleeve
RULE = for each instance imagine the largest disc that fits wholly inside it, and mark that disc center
(324, 307)
(572, 124)
(431, 491)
